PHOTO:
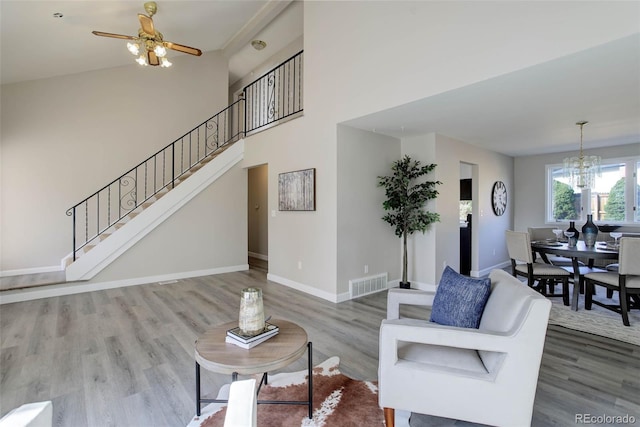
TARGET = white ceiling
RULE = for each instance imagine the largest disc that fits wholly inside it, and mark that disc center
(531, 111)
(534, 111)
(36, 45)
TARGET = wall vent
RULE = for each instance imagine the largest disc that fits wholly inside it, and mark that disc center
(367, 285)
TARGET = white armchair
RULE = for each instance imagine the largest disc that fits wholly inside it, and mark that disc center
(38, 414)
(487, 375)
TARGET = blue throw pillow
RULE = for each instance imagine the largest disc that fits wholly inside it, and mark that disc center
(460, 300)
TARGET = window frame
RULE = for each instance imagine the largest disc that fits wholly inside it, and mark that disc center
(632, 217)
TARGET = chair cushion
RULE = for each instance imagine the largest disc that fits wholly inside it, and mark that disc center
(459, 360)
(460, 300)
(611, 278)
(543, 270)
(561, 261)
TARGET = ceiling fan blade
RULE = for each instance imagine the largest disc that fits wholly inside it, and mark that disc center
(115, 36)
(147, 24)
(152, 58)
(182, 48)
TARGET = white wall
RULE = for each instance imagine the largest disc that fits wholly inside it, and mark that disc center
(306, 239)
(360, 58)
(364, 57)
(363, 237)
(64, 138)
(488, 244)
(376, 55)
(208, 233)
(282, 55)
(530, 180)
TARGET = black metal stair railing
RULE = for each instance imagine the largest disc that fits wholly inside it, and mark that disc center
(274, 96)
(107, 206)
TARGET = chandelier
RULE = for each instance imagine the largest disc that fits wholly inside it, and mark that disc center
(582, 170)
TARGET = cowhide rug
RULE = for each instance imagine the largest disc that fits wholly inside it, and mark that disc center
(337, 401)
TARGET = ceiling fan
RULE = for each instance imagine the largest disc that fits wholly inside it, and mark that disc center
(149, 46)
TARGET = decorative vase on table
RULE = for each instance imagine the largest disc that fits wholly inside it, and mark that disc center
(590, 232)
(251, 318)
(573, 239)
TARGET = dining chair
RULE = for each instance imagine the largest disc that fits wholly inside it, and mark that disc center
(545, 233)
(626, 281)
(522, 264)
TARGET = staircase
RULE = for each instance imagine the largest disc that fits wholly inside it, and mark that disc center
(114, 218)
(142, 220)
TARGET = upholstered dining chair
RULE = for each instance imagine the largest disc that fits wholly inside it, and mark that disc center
(626, 281)
(519, 248)
(486, 375)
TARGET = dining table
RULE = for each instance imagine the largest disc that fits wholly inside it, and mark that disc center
(601, 250)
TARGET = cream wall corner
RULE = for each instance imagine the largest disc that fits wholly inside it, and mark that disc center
(65, 137)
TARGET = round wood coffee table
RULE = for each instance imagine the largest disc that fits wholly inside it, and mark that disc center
(215, 355)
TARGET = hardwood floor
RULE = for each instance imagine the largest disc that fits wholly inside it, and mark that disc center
(124, 357)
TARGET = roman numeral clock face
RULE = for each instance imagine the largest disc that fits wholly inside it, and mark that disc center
(499, 198)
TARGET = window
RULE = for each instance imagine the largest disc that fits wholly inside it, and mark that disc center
(615, 197)
(465, 209)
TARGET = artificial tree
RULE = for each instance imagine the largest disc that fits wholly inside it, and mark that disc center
(406, 202)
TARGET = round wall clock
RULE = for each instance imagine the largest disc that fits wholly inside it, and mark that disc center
(499, 198)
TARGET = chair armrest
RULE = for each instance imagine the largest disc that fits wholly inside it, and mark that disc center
(425, 332)
(397, 296)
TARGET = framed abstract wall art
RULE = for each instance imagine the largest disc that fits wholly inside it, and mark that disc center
(297, 190)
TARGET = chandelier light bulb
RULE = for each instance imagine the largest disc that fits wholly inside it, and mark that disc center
(134, 48)
(142, 60)
(160, 51)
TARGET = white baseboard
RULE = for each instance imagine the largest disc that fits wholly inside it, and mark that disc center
(259, 256)
(304, 288)
(486, 271)
(70, 288)
(35, 270)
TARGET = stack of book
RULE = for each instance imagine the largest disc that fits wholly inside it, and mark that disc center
(236, 337)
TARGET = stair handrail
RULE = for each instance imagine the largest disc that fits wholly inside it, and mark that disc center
(289, 75)
(212, 123)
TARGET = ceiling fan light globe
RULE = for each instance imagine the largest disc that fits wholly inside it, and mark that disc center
(165, 63)
(160, 51)
(134, 48)
(142, 60)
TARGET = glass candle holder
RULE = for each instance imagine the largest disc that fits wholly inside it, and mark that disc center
(251, 321)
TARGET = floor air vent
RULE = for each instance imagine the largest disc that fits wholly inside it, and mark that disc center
(367, 285)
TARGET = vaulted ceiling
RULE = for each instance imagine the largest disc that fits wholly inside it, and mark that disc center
(35, 44)
(534, 110)
(529, 111)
